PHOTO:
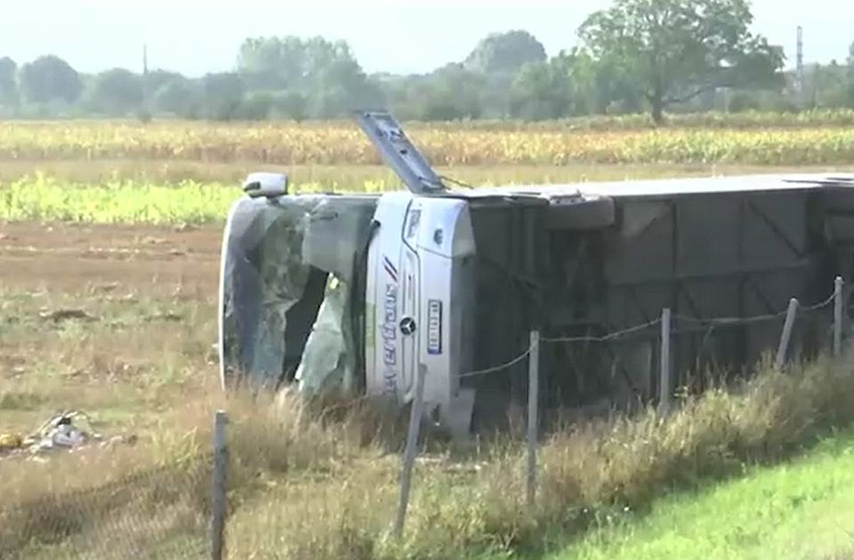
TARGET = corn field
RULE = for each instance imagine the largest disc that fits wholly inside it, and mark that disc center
(337, 143)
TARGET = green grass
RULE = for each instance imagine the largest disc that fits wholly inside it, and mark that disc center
(155, 195)
(46, 199)
(800, 510)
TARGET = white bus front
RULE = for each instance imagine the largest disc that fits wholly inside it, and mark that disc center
(420, 297)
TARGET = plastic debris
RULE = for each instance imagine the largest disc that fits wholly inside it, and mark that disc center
(67, 431)
(66, 315)
(61, 432)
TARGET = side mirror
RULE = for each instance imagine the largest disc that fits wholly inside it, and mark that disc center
(266, 184)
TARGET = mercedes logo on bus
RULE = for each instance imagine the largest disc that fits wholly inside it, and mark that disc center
(407, 326)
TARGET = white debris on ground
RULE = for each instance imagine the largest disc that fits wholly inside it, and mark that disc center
(60, 315)
(67, 431)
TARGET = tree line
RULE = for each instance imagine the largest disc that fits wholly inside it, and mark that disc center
(652, 56)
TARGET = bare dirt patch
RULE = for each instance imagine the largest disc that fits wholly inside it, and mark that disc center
(144, 259)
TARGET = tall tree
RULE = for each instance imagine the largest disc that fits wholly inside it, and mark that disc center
(177, 96)
(676, 50)
(222, 94)
(325, 73)
(159, 78)
(8, 84)
(272, 63)
(292, 105)
(850, 75)
(115, 92)
(50, 78)
(543, 90)
(505, 53)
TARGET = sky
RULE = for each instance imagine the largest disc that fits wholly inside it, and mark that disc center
(411, 36)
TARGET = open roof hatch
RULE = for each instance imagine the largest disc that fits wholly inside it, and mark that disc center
(399, 153)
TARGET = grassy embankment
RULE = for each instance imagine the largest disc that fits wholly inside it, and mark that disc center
(800, 510)
(307, 488)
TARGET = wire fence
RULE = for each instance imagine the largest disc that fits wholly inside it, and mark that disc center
(810, 314)
(152, 513)
(672, 326)
(185, 509)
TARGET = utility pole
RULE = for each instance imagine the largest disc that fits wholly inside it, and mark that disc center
(799, 61)
(145, 112)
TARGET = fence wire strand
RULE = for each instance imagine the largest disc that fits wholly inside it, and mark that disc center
(821, 305)
(523, 355)
(500, 367)
(607, 337)
(718, 321)
(711, 323)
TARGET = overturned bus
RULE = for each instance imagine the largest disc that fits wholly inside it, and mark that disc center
(354, 291)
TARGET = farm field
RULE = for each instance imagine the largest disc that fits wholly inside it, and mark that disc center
(109, 253)
(146, 299)
(133, 200)
(344, 143)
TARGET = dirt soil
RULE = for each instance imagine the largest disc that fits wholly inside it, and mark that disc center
(145, 259)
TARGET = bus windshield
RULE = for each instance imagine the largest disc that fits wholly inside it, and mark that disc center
(288, 275)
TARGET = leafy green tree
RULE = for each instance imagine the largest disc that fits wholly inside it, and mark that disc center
(542, 91)
(272, 63)
(222, 94)
(449, 93)
(742, 101)
(850, 73)
(256, 106)
(158, 78)
(50, 78)
(505, 53)
(8, 83)
(828, 86)
(324, 73)
(176, 96)
(675, 50)
(115, 92)
(463, 88)
(291, 105)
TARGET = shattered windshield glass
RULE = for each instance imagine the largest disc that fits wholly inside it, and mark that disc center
(290, 269)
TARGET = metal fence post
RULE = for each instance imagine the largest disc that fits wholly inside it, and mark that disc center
(409, 454)
(664, 386)
(533, 415)
(218, 504)
(837, 316)
(787, 334)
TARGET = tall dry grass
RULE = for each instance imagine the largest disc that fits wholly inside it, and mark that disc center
(468, 506)
(132, 497)
(319, 480)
